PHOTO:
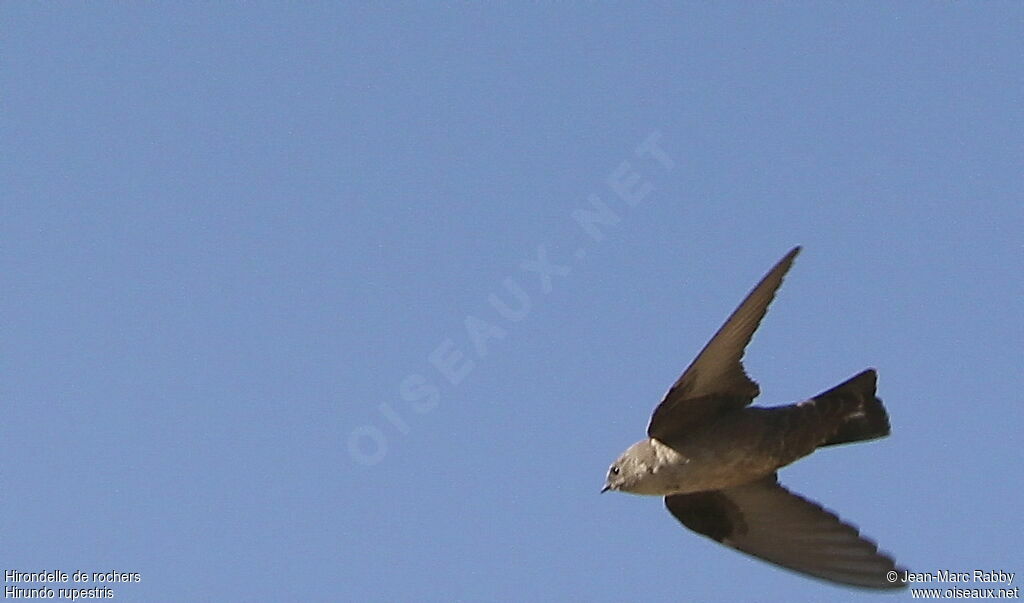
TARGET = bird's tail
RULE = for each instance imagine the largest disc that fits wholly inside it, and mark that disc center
(864, 416)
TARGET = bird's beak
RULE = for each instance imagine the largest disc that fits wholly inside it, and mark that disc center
(605, 489)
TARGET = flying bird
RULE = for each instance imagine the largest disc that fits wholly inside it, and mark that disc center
(714, 457)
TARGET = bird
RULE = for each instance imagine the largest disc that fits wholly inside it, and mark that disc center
(715, 458)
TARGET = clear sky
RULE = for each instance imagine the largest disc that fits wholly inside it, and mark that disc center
(297, 303)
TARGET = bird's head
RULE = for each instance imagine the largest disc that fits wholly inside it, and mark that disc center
(631, 472)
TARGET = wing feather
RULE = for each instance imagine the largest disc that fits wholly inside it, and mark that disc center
(716, 380)
(765, 520)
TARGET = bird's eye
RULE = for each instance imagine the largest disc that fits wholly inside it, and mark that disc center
(614, 470)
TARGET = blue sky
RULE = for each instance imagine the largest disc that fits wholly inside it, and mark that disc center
(250, 257)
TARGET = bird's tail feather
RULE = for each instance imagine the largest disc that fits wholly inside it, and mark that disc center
(866, 418)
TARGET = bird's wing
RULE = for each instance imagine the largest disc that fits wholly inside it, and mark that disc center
(715, 380)
(765, 520)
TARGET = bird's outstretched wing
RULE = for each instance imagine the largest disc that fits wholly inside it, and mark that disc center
(715, 380)
(765, 520)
